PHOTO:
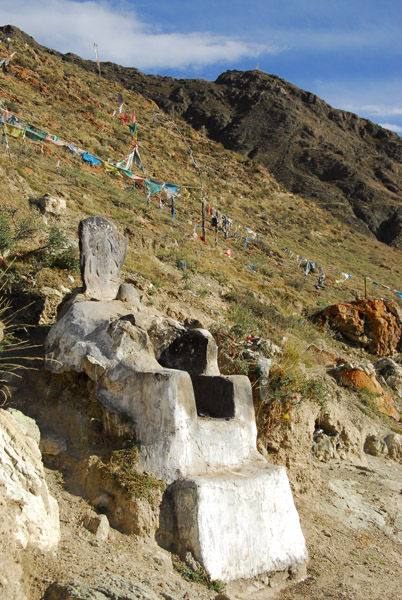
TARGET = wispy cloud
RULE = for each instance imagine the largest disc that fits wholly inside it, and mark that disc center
(376, 110)
(365, 97)
(392, 127)
(69, 25)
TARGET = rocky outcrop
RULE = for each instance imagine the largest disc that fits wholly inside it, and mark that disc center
(49, 205)
(375, 446)
(357, 379)
(376, 325)
(34, 515)
(29, 514)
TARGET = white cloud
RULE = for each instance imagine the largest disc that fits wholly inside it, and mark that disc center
(372, 98)
(376, 110)
(71, 26)
(392, 127)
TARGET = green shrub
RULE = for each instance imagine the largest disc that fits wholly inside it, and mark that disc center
(57, 253)
(199, 576)
(121, 467)
(13, 230)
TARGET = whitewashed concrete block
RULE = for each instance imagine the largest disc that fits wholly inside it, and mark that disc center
(239, 524)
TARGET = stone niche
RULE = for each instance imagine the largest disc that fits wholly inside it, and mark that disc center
(194, 427)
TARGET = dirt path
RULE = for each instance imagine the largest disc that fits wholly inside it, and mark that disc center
(353, 527)
(352, 520)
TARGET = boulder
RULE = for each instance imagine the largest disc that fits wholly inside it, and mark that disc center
(324, 448)
(392, 374)
(30, 515)
(374, 324)
(375, 446)
(28, 425)
(394, 445)
(48, 204)
(128, 293)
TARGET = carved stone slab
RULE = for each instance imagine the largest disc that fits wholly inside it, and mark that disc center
(102, 254)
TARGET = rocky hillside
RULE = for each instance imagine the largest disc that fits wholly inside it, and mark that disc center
(349, 165)
(330, 406)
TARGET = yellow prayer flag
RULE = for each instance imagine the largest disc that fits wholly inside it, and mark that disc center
(108, 167)
(16, 132)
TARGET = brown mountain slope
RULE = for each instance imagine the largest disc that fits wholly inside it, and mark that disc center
(349, 165)
(331, 156)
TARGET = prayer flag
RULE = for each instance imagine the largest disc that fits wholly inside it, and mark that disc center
(152, 188)
(92, 160)
(16, 132)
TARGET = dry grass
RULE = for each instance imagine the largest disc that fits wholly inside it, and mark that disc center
(270, 299)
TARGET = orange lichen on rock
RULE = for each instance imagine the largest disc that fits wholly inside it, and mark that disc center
(359, 380)
(374, 324)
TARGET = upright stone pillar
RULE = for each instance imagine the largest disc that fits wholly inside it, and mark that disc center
(102, 254)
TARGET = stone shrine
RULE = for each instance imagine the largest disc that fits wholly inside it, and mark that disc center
(194, 427)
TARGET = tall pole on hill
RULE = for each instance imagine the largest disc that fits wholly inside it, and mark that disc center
(97, 58)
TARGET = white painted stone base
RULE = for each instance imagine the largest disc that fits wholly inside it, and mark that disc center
(240, 524)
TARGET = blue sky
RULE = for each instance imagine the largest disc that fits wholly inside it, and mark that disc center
(348, 52)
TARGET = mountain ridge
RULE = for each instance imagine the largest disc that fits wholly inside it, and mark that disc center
(349, 165)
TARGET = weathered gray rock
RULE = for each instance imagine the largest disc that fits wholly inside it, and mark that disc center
(110, 587)
(392, 374)
(93, 336)
(72, 591)
(102, 254)
(128, 293)
(375, 446)
(324, 448)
